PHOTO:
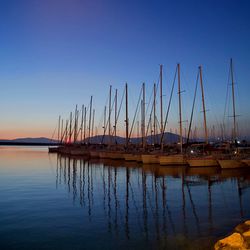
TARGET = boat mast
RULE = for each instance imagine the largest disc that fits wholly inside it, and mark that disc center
(70, 127)
(61, 133)
(76, 122)
(84, 131)
(104, 120)
(203, 105)
(90, 113)
(179, 93)
(66, 132)
(162, 132)
(234, 112)
(151, 130)
(161, 98)
(93, 122)
(154, 108)
(138, 130)
(109, 118)
(115, 113)
(126, 121)
(143, 116)
(59, 123)
(82, 121)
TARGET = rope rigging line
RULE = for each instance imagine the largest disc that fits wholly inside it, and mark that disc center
(227, 100)
(170, 99)
(152, 93)
(65, 130)
(119, 111)
(152, 107)
(53, 133)
(100, 122)
(137, 107)
(107, 122)
(105, 127)
(192, 113)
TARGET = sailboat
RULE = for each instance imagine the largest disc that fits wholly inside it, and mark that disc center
(136, 154)
(232, 160)
(201, 160)
(179, 158)
(152, 157)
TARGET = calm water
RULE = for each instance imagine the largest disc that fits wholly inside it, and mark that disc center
(51, 202)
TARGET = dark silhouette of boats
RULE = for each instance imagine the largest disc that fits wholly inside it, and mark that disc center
(153, 145)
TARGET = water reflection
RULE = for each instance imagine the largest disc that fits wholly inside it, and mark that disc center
(156, 204)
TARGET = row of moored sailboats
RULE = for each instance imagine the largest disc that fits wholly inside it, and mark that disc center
(226, 154)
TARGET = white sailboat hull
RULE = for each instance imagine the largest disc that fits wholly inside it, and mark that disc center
(150, 159)
(202, 162)
(231, 163)
(172, 160)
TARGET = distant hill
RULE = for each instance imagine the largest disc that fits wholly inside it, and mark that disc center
(35, 140)
(168, 138)
(39, 140)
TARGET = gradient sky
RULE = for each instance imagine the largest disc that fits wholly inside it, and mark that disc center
(56, 53)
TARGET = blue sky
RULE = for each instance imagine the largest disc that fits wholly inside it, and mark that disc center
(55, 54)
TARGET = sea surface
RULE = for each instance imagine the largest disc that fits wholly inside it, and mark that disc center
(56, 202)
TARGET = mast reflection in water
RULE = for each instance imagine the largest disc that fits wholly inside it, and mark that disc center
(163, 206)
(56, 202)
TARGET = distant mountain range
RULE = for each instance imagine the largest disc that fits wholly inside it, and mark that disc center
(168, 137)
(41, 140)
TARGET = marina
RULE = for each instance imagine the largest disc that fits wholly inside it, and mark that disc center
(124, 125)
(151, 149)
